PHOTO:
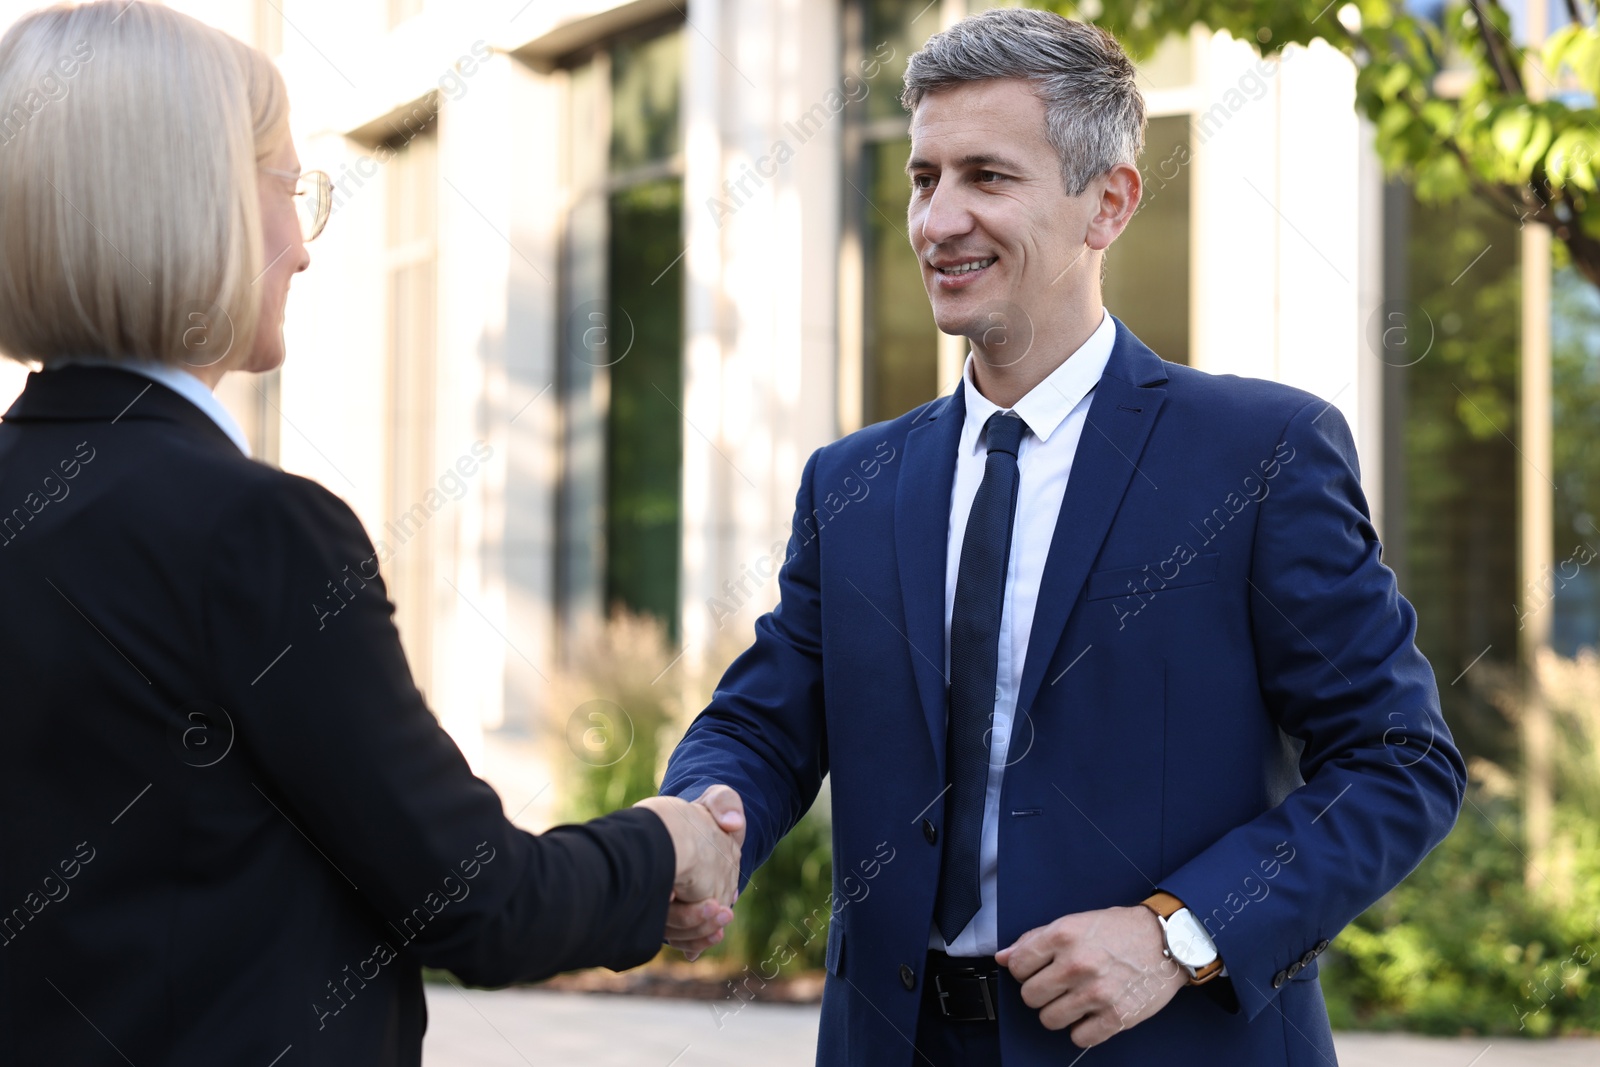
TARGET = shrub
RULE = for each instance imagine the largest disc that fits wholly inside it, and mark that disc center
(1482, 938)
(620, 717)
(1462, 946)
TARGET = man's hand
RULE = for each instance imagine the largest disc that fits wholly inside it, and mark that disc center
(703, 896)
(695, 925)
(1097, 972)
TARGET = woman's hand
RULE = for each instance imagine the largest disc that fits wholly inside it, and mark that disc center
(708, 836)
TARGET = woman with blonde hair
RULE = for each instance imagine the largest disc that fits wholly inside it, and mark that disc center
(230, 829)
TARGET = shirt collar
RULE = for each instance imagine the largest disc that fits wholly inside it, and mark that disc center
(179, 381)
(1047, 405)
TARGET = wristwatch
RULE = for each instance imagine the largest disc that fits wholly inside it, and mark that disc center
(1187, 942)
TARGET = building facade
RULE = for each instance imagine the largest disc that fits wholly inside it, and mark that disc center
(600, 275)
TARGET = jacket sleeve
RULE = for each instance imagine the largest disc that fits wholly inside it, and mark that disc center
(299, 630)
(764, 732)
(1340, 672)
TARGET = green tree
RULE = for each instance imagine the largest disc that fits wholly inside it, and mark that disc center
(1518, 127)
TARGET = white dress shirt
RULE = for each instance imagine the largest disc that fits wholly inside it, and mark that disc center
(179, 381)
(1055, 411)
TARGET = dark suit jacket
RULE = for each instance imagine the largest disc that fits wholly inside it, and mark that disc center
(1221, 697)
(230, 829)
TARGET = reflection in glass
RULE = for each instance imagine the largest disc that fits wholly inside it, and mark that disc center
(1575, 398)
(903, 27)
(622, 305)
(901, 343)
(645, 75)
(1453, 492)
(644, 430)
(1147, 269)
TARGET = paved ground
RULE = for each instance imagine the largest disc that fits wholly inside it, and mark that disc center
(1374, 1050)
(519, 1029)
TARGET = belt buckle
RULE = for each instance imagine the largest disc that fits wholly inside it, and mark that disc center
(989, 1014)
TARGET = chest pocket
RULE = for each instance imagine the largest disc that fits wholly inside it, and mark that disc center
(1147, 579)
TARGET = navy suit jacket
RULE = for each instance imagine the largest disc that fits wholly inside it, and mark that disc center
(1221, 697)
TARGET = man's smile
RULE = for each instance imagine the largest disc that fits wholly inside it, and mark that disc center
(960, 273)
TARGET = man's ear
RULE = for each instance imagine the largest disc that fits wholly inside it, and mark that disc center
(1117, 192)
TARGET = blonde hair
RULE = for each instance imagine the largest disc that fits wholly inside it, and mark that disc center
(130, 222)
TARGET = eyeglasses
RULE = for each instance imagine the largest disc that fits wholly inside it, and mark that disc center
(313, 199)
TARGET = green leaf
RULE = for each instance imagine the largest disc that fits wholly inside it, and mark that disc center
(1556, 48)
(1506, 140)
(1441, 178)
(1395, 81)
(1511, 130)
(1577, 47)
(1572, 158)
(1538, 144)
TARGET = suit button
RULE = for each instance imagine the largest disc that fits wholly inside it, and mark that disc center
(1294, 968)
(930, 831)
(1322, 946)
(1305, 961)
(1278, 980)
(908, 977)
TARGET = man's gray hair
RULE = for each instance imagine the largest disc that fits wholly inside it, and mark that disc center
(1094, 112)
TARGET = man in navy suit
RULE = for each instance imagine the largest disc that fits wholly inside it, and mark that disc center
(1110, 660)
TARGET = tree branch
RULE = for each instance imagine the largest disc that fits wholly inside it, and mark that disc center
(1583, 246)
(1585, 251)
(1505, 67)
(1498, 197)
(1537, 202)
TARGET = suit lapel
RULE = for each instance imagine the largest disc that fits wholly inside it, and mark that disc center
(922, 541)
(1120, 418)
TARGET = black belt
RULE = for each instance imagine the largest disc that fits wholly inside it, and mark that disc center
(965, 988)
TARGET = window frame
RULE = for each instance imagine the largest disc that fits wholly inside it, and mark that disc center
(583, 397)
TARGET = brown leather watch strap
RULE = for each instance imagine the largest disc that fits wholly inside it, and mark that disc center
(1208, 972)
(1165, 905)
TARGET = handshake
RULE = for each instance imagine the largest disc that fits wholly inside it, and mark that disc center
(708, 836)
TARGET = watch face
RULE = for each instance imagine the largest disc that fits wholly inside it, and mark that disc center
(1188, 941)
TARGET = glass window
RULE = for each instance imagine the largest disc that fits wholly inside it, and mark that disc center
(645, 78)
(622, 368)
(1452, 312)
(899, 338)
(899, 343)
(1575, 397)
(903, 26)
(1147, 269)
(644, 432)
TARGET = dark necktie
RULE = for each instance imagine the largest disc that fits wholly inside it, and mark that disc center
(974, 669)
